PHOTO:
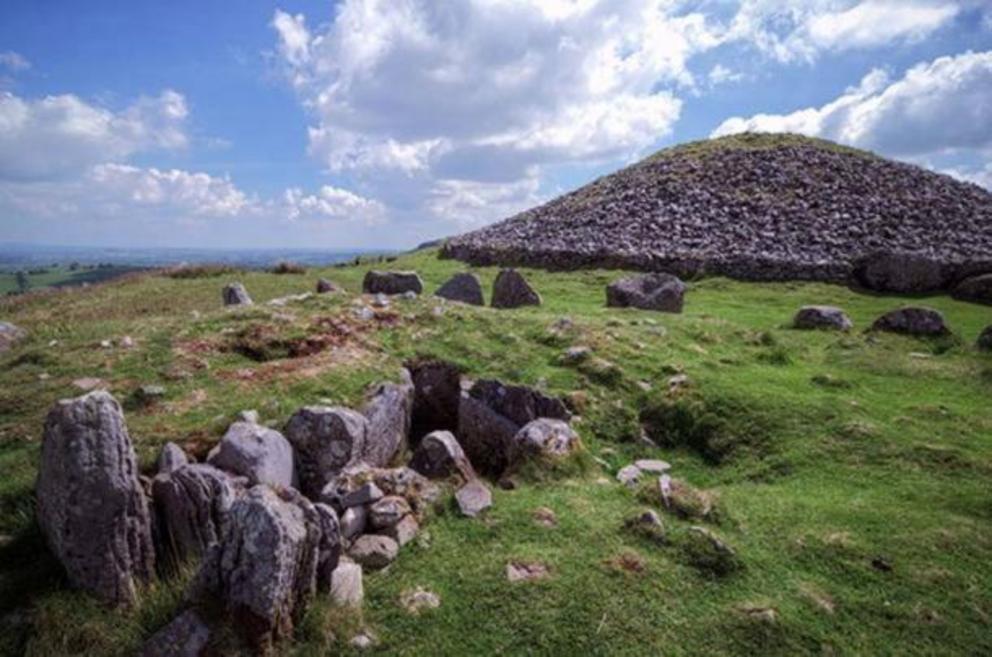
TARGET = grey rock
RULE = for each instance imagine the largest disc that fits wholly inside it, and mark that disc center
(91, 506)
(186, 635)
(419, 600)
(661, 292)
(172, 457)
(250, 415)
(822, 317)
(900, 272)
(439, 456)
(404, 531)
(325, 286)
(330, 546)
(374, 551)
(473, 498)
(629, 475)
(387, 512)
(346, 585)
(389, 412)
(149, 394)
(543, 438)
(653, 466)
(392, 282)
(976, 288)
(264, 570)
(192, 504)
(353, 522)
(325, 439)
(261, 454)
(10, 335)
(463, 287)
(576, 355)
(235, 294)
(363, 495)
(511, 290)
(912, 321)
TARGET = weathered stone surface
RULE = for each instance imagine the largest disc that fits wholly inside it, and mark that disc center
(900, 272)
(388, 511)
(439, 456)
(353, 522)
(365, 494)
(374, 551)
(543, 438)
(684, 500)
(264, 570)
(330, 546)
(392, 282)
(473, 498)
(524, 571)
(985, 340)
(186, 635)
(325, 286)
(661, 292)
(404, 531)
(346, 585)
(912, 321)
(511, 290)
(437, 390)
(647, 524)
(191, 505)
(325, 439)
(91, 506)
(10, 335)
(463, 287)
(653, 466)
(418, 491)
(235, 294)
(629, 475)
(261, 454)
(419, 600)
(172, 457)
(822, 317)
(388, 411)
(976, 288)
(545, 517)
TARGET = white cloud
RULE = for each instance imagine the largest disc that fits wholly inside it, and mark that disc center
(470, 204)
(60, 135)
(980, 176)
(720, 74)
(182, 191)
(331, 203)
(937, 107)
(14, 62)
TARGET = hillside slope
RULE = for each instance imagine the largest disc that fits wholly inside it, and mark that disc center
(753, 207)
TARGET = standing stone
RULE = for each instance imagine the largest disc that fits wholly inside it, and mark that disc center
(900, 272)
(912, 321)
(10, 335)
(388, 412)
(346, 585)
(186, 635)
(191, 505)
(543, 438)
(261, 454)
(325, 286)
(325, 440)
(511, 290)
(661, 292)
(392, 282)
(473, 498)
(264, 570)
(822, 317)
(329, 549)
(171, 458)
(437, 391)
(985, 339)
(463, 287)
(91, 506)
(439, 456)
(235, 294)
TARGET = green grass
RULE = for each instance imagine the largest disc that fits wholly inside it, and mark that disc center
(834, 450)
(62, 277)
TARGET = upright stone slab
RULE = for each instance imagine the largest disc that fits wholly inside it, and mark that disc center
(235, 294)
(661, 292)
(439, 456)
(392, 282)
(325, 440)
(511, 290)
(388, 413)
(261, 454)
(91, 507)
(192, 504)
(463, 287)
(437, 390)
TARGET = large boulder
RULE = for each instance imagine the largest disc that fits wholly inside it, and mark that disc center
(186, 635)
(325, 439)
(191, 505)
(264, 570)
(392, 282)
(976, 288)
(822, 317)
(439, 456)
(900, 272)
(388, 413)
(10, 335)
(235, 294)
(463, 287)
(91, 506)
(662, 292)
(437, 390)
(543, 438)
(511, 290)
(985, 340)
(912, 321)
(261, 454)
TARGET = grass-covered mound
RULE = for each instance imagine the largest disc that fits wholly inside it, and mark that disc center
(848, 473)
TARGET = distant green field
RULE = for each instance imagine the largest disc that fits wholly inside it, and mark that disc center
(62, 277)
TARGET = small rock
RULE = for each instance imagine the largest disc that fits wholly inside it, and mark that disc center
(10, 335)
(364, 313)
(404, 531)
(522, 571)
(250, 415)
(366, 494)
(684, 500)
(545, 517)
(106, 344)
(707, 552)
(629, 475)
(543, 438)
(149, 394)
(822, 317)
(127, 342)
(235, 294)
(346, 585)
(387, 511)
(374, 551)
(186, 635)
(678, 382)
(576, 355)
(976, 288)
(363, 640)
(380, 301)
(473, 498)
(440, 456)
(419, 600)
(653, 466)
(325, 440)
(647, 524)
(388, 412)
(511, 290)
(89, 383)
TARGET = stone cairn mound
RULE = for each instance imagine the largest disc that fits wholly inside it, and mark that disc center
(274, 518)
(758, 207)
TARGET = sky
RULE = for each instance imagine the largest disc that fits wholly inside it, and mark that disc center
(385, 123)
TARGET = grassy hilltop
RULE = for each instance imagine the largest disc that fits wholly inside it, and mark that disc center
(851, 472)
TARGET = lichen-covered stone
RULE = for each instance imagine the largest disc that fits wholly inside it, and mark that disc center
(261, 454)
(191, 505)
(325, 440)
(439, 456)
(543, 438)
(661, 292)
(392, 282)
(388, 413)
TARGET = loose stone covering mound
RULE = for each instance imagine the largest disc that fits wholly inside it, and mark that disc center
(662, 292)
(91, 506)
(392, 282)
(822, 317)
(754, 207)
(462, 287)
